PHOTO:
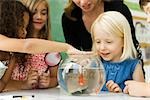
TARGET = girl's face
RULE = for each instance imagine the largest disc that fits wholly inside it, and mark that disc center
(40, 16)
(86, 5)
(108, 46)
(147, 11)
(22, 30)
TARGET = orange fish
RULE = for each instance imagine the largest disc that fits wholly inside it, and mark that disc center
(81, 80)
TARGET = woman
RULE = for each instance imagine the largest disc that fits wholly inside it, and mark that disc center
(79, 16)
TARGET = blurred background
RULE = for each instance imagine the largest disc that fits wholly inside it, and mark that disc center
(56, 10)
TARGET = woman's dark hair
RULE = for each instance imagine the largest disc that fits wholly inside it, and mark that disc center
(11, 19)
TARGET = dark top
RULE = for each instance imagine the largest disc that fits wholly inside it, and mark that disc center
(76, 34)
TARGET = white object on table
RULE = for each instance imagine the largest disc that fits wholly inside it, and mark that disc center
(54, 94)
(2, 69)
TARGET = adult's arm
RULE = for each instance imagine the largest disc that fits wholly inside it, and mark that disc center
(33, 45)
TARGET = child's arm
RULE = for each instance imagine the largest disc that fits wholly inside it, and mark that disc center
(30, 83)
(138, 74)
(6, 77)
(135, 88)
(35, 46)
(14, 85)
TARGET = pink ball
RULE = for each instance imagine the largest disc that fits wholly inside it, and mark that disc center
(53, 58)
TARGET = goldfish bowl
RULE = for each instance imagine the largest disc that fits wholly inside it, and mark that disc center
(81, 75)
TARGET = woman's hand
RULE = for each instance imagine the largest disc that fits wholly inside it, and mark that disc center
(113, 87)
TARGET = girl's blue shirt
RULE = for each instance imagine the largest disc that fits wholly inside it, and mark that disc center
(119, 72)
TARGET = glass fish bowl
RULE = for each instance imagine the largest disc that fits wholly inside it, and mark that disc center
(83, 74)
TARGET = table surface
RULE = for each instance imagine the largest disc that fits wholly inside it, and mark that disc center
(55, 94)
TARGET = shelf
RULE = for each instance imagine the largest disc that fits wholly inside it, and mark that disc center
(147, 62)
(144, 45)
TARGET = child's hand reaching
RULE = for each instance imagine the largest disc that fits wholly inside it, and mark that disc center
(32, 79)
(113, 87)
(44, 80)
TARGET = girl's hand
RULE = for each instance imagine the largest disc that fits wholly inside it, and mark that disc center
(113, 87)
(134, 88)
(32, 79)
(44, 80)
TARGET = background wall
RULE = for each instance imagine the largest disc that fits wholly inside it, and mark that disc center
(56, 8)
(142, 33)
(56, 11)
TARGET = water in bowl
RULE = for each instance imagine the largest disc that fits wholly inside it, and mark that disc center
(82, 75)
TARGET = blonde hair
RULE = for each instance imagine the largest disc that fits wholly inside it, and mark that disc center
(32, 5)
(115, 23)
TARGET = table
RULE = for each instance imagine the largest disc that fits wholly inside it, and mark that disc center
(55, 94)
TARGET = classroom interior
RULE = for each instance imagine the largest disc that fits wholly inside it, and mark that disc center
(142, 28)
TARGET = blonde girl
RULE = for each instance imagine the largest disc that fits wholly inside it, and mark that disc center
(112, 41)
